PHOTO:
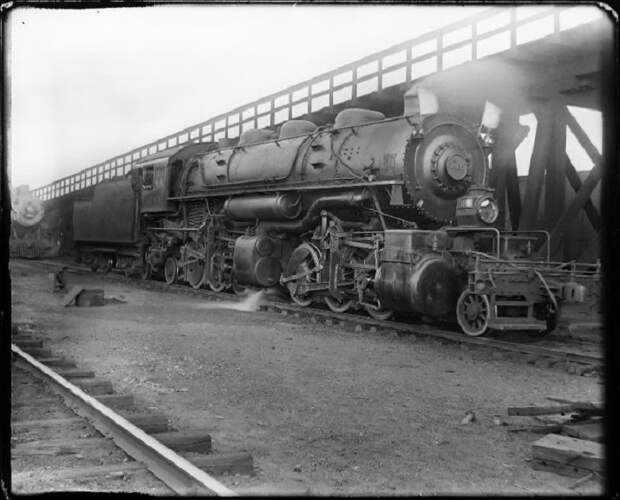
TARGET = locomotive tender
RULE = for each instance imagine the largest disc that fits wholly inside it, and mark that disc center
(380, 214)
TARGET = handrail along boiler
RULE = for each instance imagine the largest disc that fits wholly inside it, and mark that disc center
(380, 214)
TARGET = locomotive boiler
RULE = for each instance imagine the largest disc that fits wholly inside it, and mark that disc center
(383, 214)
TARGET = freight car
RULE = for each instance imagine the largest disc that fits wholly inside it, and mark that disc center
(373, 213)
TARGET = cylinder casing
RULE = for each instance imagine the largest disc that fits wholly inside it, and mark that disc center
(415, 278)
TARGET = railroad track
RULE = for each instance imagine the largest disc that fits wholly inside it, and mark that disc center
(98, 445)
(544, 352)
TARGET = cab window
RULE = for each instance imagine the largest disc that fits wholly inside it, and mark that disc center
(147, 178)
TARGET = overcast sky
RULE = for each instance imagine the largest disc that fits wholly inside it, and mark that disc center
(88, 84)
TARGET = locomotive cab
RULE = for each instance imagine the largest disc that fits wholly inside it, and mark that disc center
(154, 178)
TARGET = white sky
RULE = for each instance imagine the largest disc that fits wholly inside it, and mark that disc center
(89, 84)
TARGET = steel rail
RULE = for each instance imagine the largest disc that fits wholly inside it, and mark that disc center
(426, 330)
(180, 475)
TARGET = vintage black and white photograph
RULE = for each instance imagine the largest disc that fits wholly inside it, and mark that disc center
(306, 249)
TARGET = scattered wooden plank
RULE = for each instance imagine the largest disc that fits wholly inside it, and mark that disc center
(540, 410)
(72, 295)
(580, 404)
(558, 468)
(592, 431)
(555, 419)
(94, 386)
(116, 400)
(588, 408)
(555, 448)
(537, 429)
(195, 441)
(582, 480)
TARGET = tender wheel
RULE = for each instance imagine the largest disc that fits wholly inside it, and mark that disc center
(103, 262)
(336, 305)
(303, 263)
(88, 259)
(146, 273)
(472, 313)
(195, 273)
(171, 270)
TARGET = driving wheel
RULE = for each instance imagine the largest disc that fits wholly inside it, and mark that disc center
(338, 305)
(216, 279)
(171, 270)
(195, 273)
(304, 265)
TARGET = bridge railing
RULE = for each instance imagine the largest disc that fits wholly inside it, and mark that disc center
(495, 30)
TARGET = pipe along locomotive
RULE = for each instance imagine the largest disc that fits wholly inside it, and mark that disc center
(371, 213)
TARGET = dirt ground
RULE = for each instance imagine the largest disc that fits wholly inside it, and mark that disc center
(322, 409)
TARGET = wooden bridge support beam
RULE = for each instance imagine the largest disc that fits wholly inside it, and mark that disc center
(555, 177)
(504, 178)
(576, 183)
(538, 166)
(583, 190)
(549, 169)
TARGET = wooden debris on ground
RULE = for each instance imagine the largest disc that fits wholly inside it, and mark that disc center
(567, 455)
(70, 297)
(89, 298)
(572, 445)
(82, 297)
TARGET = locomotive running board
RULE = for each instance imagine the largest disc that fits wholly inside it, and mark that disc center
(226, 191)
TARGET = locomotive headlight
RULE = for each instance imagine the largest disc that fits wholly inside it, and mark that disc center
(488, 210)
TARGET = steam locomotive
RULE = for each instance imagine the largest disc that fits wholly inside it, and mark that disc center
(371, 213)
(30, 236)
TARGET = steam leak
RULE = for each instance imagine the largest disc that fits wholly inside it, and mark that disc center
(251, 302)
